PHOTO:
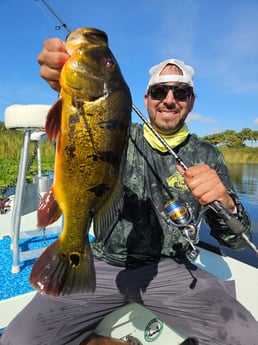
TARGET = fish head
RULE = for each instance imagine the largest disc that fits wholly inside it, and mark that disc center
(92, 71)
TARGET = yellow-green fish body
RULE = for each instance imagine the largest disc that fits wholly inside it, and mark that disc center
(92, 133)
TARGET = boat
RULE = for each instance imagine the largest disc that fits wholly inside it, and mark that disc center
(132, 320)
(21, 243)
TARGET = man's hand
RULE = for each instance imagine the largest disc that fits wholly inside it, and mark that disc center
(206, 186)
(51, 59)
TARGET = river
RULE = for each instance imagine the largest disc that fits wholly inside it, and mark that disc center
(245, 181)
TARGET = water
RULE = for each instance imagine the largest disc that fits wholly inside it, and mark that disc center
(245, 180)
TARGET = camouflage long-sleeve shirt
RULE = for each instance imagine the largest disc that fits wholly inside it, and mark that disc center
(139, 234)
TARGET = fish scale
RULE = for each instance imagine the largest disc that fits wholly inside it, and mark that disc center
(90, 122)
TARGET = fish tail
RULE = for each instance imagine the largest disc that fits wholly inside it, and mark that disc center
(58, 273)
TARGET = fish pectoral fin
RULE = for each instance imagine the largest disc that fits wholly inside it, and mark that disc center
(48, 210)
(53, 122)
(104, 217)
(64, 273)
(106, 214)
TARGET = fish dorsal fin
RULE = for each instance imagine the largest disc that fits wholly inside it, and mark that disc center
(53, 123)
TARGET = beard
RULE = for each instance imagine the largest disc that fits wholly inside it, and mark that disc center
(168, 127)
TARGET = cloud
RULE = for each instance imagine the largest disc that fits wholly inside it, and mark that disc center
(174, 39)
(199, 118)
(256, 121)
(224, 54)
(233, 52)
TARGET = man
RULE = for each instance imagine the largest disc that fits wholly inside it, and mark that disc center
(141, 257)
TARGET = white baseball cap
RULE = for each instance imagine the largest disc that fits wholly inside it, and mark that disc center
(185, 77)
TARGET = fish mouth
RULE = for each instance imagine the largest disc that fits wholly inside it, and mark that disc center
(89, 36)
(90, 96)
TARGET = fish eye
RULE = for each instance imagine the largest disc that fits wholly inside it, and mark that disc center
(109, 63)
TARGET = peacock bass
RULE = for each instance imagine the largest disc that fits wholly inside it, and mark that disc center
(90, 123)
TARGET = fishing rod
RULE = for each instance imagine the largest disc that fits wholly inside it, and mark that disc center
(57, 17)
(232, 222)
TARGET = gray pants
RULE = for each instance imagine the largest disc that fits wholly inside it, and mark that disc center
(188, 299)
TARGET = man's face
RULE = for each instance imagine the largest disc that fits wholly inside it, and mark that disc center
(168, 115)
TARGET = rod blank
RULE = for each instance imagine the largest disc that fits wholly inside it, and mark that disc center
(233, 223)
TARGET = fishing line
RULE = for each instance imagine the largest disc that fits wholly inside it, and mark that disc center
(233, 223)
(57, 27)
(45, 13)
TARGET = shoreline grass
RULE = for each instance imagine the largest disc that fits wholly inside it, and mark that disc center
(247, 155)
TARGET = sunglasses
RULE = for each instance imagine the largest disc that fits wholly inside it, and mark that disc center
(180, 92)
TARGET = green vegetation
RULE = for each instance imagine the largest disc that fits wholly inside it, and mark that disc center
(242, 155)
(232, 139)
(231, 143)
(10, 150)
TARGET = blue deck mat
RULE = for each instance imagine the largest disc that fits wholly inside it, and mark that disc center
(15, 284)
(18, 283)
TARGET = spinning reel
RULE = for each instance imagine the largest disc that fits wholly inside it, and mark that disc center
(181, 217)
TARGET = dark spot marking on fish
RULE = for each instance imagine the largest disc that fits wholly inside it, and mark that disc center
(70, 151)
(82, 167)
(112, 124)
(72, 128)
(74, 119)
(74, 259)
(95, 158)
(105, 156)
(226, 313)
(79, 105)
(91, 135)
(70, 170)
(100, 189)
(108, 156)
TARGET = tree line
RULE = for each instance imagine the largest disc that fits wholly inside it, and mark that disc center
(11, 140)
(233, 139)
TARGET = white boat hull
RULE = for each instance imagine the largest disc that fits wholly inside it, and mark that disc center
(139, 322)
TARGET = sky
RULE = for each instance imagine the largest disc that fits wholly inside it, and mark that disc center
(218, 38)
